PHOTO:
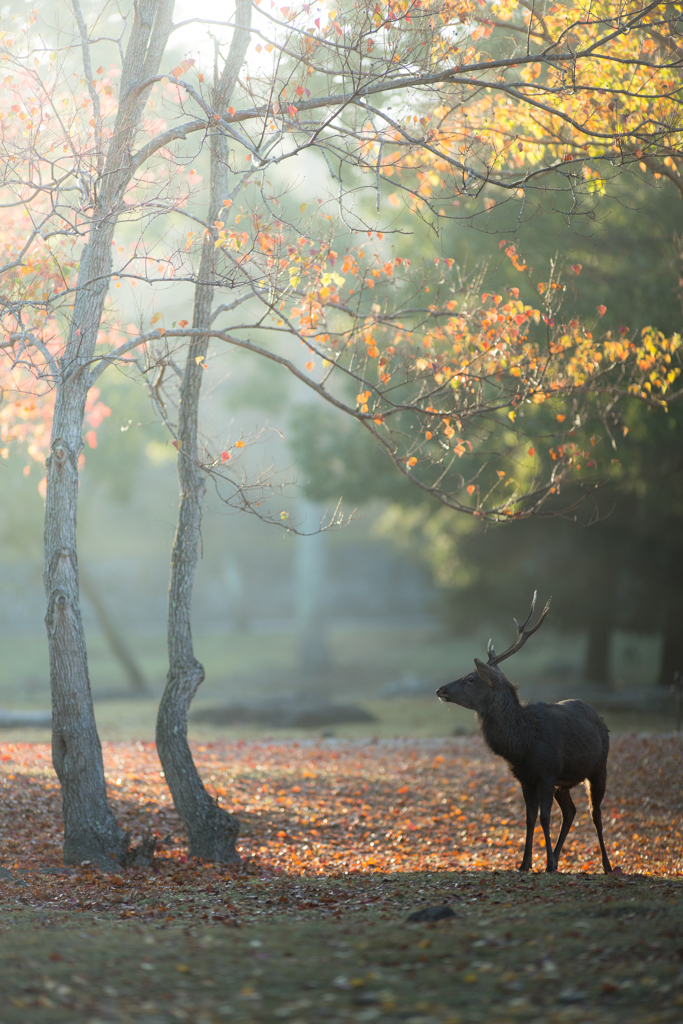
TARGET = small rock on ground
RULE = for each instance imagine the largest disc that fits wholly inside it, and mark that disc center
(426, 914)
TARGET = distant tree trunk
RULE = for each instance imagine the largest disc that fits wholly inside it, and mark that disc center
(90, 830)
(113, 636)
(603, 597)
(672, 649)
(315, 655)
(212, 832)
(596, 667)
(234, 584)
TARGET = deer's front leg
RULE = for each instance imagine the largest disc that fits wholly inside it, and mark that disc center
(531, 801)
(546, 793)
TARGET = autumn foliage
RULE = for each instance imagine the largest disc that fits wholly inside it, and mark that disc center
(444, 109)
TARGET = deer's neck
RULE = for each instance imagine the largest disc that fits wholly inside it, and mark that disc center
(504, 724)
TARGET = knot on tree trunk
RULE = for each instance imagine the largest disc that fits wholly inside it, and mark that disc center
(57, 609)
(61, 454)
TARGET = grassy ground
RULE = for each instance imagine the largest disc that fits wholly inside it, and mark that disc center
(551, 950)
(130, 720)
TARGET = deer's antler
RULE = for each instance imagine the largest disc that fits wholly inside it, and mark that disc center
(523, 634)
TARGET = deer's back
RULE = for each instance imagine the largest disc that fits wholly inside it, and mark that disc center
(570, 742)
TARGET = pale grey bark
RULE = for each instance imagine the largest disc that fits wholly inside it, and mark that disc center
(211, 831)
(90, 829)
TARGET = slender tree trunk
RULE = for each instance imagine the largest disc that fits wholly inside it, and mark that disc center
(90, 829)
(211, 831)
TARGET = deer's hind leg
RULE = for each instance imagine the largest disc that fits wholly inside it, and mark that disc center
(596, 790)
(566, 805)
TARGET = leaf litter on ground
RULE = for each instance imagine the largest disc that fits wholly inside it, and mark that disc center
(343, 838)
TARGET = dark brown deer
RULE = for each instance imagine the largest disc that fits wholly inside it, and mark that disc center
(549, 747)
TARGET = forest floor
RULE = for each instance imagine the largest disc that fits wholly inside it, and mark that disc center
(341, 841)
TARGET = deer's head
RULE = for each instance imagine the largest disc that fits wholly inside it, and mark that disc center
(474, 690)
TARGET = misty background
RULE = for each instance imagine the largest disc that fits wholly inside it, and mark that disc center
(381, 611)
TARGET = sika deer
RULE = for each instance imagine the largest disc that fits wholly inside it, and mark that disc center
(549, 747)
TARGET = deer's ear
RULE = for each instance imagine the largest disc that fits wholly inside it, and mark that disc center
(488, 673)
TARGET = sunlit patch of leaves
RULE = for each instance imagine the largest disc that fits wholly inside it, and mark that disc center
(331, 810)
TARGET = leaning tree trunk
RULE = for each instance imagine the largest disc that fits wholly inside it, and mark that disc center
(112, 634)
(90, 829)
(211, 831)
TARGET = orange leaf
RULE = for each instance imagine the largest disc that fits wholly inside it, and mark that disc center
(470, 489)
